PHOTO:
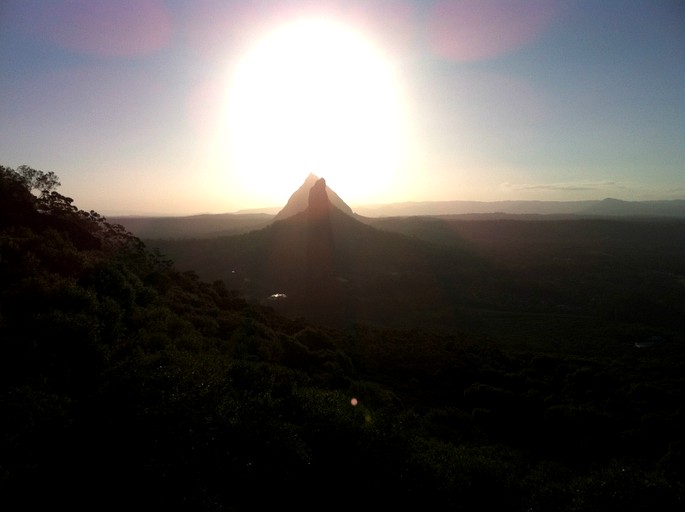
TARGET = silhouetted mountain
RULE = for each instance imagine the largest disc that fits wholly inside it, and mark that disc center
(333, 267)
(428, 271)
(299, 200)
(212, 225)
(126, 381)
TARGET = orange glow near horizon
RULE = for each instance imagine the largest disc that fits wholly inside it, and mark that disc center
(313, 96)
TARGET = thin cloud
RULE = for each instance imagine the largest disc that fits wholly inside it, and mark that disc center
(565, 187)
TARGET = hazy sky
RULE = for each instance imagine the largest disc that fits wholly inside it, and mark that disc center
(181, 107)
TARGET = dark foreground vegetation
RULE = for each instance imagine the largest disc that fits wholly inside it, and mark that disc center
(127, 383)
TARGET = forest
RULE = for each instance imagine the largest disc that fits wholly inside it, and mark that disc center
(130, 380)
(564, 283)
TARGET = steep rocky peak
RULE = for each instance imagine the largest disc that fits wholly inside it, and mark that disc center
(319, 204)
(299, 200)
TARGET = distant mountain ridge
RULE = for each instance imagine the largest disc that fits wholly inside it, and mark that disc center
(336, 269)
(607, 206)
(603, 207)
(193, 226)
(332, 267)
(243, 221)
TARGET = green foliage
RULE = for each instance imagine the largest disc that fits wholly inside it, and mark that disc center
(123, 380)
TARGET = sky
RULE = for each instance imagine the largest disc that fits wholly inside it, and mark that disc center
(184, 107)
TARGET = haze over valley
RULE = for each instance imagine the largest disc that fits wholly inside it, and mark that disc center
(440, 272)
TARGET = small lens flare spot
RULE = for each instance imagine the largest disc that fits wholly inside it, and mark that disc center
(354, 402)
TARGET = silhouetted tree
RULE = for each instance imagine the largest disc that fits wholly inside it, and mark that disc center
(34, 179)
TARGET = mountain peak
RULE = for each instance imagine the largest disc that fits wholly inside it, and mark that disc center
(319, 204)
(300, 199)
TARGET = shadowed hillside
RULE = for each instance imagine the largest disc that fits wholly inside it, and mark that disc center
(125, 382)
(565, 279)
(366, 274)
(213, 225)
(128, 383)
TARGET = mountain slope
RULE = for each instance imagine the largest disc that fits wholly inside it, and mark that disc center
(124, 381)
(447, 272)
(222, 224)
(299, 200)
(332, 266)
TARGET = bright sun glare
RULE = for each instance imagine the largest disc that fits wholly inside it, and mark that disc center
(314, 96)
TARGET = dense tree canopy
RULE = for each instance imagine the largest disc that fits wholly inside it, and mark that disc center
(124, 382)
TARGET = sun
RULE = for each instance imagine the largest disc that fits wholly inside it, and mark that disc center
(314, 96)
